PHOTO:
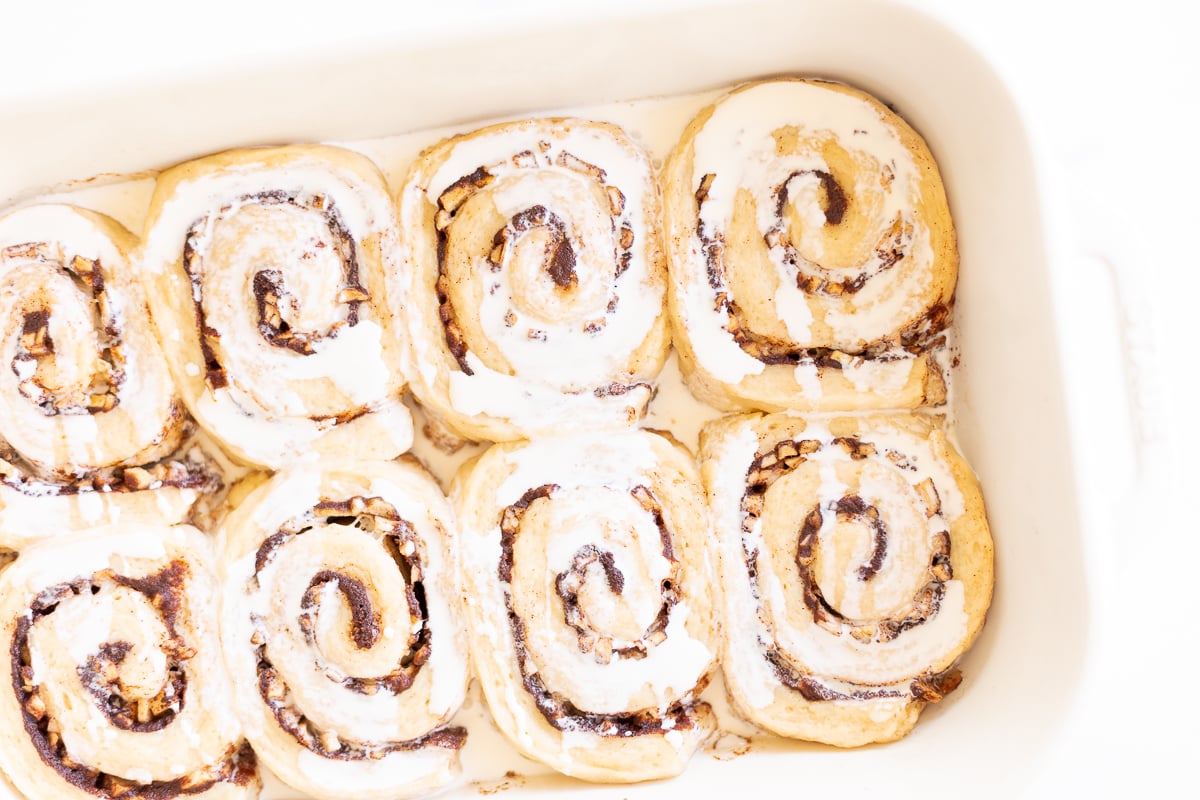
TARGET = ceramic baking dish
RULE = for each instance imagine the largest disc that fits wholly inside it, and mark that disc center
(994, 733)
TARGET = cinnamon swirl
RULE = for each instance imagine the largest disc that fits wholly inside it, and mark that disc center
(265, 273)
(112, 674)
(588, 582)
(534, 280)
(856, 568)
(813, 259)
(90, 422)
(343, 631)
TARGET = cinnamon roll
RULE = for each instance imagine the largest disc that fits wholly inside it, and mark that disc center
(813, 259)
(265, 270)
(534, 280)
(343, 630)
(90, 422)
(113, 685)
(588, 583)
(856, 568)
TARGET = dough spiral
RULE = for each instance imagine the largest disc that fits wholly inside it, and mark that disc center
(265, 274)
(90, 422)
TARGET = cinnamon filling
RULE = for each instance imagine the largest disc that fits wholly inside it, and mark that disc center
(100, 675)
(35, 348)
(919, 336)
(372, 514)
(771, 465)
(557, 710)
(182, 471)
(268, 286)
(560, 257)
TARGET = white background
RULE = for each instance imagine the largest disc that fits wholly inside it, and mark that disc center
(1110, 92)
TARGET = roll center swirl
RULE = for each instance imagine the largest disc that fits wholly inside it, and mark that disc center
(68, 351)
(560, 261)
(297, 306)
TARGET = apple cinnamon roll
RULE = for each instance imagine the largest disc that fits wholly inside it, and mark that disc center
(343, 630)
(813, 259)
(90, 422)
(588, 585)
(265, 270)
(535, 279)
(856, 568)
(112, 673)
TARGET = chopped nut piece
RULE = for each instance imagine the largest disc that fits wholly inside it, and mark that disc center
(36, 707)
(604, 650)
(137, 478)
(616, 200)
(499, 251)
(929, 495)
(83, 267)
(353, 294)
(626, 240)
(330, 741)
(573, 162)
(458, 192)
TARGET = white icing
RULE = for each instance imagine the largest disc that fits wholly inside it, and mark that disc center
(875, 375)
(62, 642)
(707, 330)
(528, 403)
(808, 378)
(744, 666)
(313, 672)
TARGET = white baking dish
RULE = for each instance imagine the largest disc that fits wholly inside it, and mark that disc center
(993, 735)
